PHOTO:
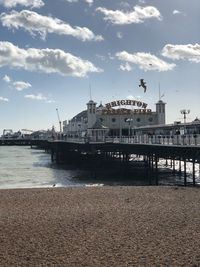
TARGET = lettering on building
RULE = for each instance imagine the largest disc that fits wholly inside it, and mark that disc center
(126, 102)
(125, 111)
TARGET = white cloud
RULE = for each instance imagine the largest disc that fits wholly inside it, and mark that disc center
(103, 58)
(6, 79)
(125, 5)
(44, 60)
(142, 1)
(138, 15)
(26, 3)
(176, 12)
(90, 2)
(39, 97)
(185, 52)
(20, 85)
(145, 61)
(119, 35)
(125, 67)
(3, 99)
(36, 97)
(35, 23)
(130, 97)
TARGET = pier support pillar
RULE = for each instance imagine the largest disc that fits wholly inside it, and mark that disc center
(185, 174)
(52, 155)
(193, 172)
(179, 166)
(166, 163)
(173, 163)
(149, 173)
(156, 170)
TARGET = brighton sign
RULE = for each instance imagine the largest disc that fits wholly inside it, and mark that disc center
(126, 102)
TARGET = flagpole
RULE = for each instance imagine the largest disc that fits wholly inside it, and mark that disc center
(90, 91)
(159, 90)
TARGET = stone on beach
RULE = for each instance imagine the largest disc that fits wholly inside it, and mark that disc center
(100, 226)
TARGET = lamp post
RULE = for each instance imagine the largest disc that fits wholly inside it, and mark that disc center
(185, 112)
(130, 128)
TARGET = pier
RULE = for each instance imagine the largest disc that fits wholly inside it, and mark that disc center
(151, 148)
(96, 152)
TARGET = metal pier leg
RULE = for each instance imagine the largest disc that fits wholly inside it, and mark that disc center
(52, 155)
(179, 166)
(149, 169)
(193, 172)
(156, 171)
(185, 174)
(173, 163)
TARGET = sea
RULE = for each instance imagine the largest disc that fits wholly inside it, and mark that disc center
(25, 167)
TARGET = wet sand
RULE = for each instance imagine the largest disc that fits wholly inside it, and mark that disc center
(104, 226)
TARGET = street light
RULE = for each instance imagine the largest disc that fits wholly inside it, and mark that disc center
(184, 112)
(130, 128)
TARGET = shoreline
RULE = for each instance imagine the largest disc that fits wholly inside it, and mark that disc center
(100, 226)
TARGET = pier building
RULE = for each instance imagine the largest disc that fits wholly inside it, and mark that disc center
(116, 118)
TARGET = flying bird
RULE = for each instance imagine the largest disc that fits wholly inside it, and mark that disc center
(143, 84)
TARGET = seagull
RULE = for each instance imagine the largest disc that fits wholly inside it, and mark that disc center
(143, 84)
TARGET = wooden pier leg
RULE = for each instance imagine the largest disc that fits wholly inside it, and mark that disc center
(185, 174)
(193, 172)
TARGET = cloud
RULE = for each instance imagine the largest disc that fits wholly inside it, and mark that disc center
(119, 35)
(142, 1)
(35, 23)
(185, 52)
(26, 3)
(176, 12)
(6, 79)
(90, 2)
(103, 58)
(18, 85)
(125, 67)
(3, 99)
(145, 61)
(44, 60)
(138, 15)
(39, 97)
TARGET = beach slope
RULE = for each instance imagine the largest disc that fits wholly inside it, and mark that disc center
(100, 226)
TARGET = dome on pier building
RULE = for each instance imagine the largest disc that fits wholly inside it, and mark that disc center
(80, 116)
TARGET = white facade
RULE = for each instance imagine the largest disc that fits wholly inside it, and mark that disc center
(120, 118)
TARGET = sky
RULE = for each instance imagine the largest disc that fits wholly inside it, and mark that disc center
(53, 52)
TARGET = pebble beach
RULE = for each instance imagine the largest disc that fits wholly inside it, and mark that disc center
(100, 226)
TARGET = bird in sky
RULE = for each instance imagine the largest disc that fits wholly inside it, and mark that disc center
(143, 84)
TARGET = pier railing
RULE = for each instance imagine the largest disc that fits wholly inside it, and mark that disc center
(182, 140)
